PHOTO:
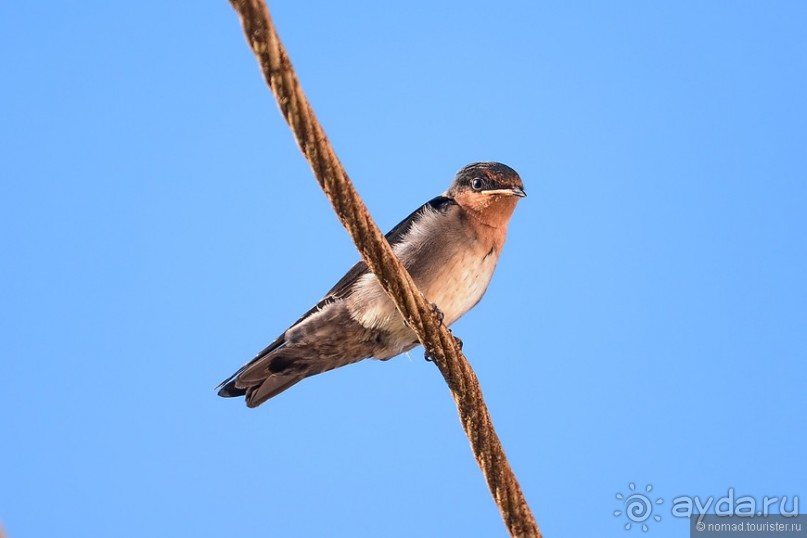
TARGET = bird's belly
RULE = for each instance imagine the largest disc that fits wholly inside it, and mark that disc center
(455, 287)
(460, 284)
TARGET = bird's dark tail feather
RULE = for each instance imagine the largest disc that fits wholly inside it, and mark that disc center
(262, 390)
(228, 390)
(271, 372)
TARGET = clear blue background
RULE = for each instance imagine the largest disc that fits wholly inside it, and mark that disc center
(647, 322)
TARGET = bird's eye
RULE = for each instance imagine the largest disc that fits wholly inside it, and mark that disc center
(476, 184)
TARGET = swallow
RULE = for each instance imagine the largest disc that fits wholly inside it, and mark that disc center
(450, 246)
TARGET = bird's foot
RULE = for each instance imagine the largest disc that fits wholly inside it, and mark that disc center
(456, 339)
(438, 312)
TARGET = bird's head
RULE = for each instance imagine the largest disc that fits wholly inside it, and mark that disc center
(488, 190)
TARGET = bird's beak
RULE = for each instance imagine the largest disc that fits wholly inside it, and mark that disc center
(518, 191)
(515, 191)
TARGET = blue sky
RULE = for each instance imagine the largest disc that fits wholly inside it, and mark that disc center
(647, 323)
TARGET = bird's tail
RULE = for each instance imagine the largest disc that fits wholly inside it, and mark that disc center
(274, 370)
(256, 394)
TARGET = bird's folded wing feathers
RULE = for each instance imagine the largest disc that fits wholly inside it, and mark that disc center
(341, 288)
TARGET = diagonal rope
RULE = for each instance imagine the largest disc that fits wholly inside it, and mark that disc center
(419, 314)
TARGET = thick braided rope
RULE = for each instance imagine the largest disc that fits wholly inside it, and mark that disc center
(436, 339)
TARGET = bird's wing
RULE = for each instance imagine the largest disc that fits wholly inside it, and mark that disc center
(340, 290)
(394, 236)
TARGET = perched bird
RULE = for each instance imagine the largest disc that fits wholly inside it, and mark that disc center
(450, 246)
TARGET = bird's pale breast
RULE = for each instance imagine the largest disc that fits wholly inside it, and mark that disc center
(451, 265)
